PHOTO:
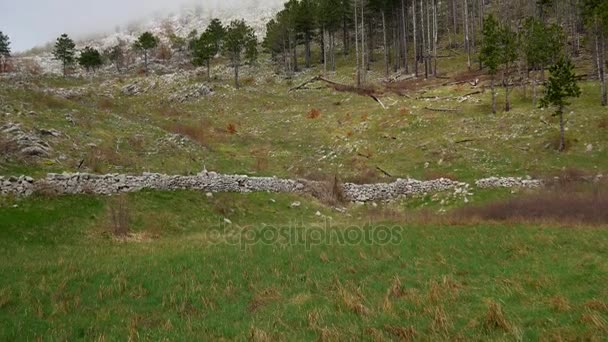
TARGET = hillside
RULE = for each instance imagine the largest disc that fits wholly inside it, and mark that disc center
(157, 203)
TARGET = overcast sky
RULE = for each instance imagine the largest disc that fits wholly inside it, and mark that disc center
(31, 23)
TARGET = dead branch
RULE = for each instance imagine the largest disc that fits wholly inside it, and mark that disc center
(441, 109)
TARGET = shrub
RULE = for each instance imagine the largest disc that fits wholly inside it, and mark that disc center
(313, 114)
(119, 216)
(231, 128)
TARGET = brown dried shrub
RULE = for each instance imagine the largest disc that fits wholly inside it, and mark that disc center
(328, 191)
(105, 104)
(313, 113)
(119, 215)
(231, 129)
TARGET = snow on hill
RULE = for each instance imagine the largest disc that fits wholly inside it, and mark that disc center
(191, 17)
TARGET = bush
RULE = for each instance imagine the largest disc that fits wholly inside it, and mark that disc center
(120, 216)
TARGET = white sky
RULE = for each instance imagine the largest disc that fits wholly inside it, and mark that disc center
(32, 23)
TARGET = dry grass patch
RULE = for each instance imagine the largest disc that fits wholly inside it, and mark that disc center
(119, 214)
(495, 318)
(550, 206)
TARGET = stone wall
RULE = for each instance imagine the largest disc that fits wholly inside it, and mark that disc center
(83, 183)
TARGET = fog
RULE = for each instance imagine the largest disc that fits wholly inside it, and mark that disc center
(32, 23)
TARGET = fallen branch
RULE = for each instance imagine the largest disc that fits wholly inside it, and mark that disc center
(464, 141)
(441, 109)
(341, 87)
(383, 171)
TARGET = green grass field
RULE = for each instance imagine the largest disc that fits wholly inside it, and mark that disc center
(63, 278)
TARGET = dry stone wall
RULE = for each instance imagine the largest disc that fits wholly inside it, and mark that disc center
(84, 183)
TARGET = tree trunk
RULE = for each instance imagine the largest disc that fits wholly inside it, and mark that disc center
(534, 81)
(364, 61)
(332, 45)
(455, 16)
(562, 130)
(603, 69)
(357, 46)
(386, 72)
(236, 73)
(415, 38)
(493, 96)
(295, 54)
(467, 43)
(208, 69)
(429, 40)
(404, 15)
(146, 61)
(435, 38)
(345, 37)
(324, 50)
(323, 46)
(307, 47)
(507, 89)
(426, 66)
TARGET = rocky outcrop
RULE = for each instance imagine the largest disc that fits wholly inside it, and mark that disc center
(27, 144)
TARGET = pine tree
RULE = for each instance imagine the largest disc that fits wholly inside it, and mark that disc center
(145, 43)
(116, 55)
(216, 32)
(541, 46)
(306, 24)
(65, 51)
(491, 54)
(239, 38)
(509, 55)
(203, 50)
(561, 86)
(90, 59)
(5, 50)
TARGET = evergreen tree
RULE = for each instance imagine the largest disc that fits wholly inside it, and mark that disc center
(5, 50)
(541, 46)
(330, 18)
(116, 55)
(491, 54)
(65, 51)
(306, 24)
(508, 46)
(561, 86)
(203, 50)
(239, 38)
(145, 43)
(90, 59)
(216, 32)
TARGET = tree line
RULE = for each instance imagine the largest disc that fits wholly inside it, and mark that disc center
(525, 36)
(236, 41)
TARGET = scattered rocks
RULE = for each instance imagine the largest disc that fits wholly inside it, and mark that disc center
(67, 93)
(27, 144)
(191, 92)
(137, 88)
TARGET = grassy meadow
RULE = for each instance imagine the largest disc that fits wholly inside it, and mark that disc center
(224, 267)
